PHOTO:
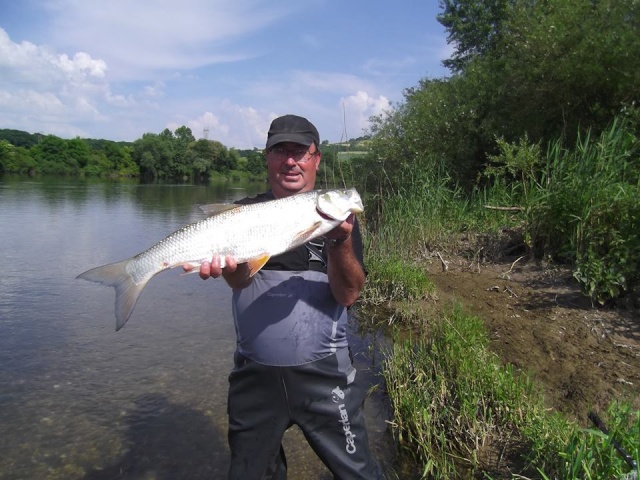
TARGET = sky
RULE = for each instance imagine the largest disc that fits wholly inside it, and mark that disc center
(117, 69)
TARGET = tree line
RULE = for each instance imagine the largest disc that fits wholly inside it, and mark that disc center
(167, 155)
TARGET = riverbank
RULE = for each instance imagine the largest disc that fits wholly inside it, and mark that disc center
(581, 357)
(552, 358)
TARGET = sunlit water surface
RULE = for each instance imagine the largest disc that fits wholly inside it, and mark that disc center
(80, 401)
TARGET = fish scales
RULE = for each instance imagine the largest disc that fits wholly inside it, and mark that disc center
(244, 232)
(250, 233)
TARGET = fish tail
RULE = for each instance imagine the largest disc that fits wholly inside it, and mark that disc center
(127, 291)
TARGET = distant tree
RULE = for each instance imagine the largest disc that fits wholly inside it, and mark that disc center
(16, 160)
(52, 156)
(256, 164)
(77, 154)
(7, 157)
(182, 160)
(154, 154)
(221, 161)
(202, 154)
(18, 138)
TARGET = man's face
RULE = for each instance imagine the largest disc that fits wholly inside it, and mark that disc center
(292, 168)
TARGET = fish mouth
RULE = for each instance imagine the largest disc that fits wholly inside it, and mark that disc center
(324, 215)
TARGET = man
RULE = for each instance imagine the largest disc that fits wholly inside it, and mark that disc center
(292, 363)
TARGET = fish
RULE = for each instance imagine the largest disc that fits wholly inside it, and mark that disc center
(250, 233)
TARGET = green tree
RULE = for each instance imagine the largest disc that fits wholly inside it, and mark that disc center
(154, 154)
(540, 69)
(256, 164)
(77, 154)
(202, 153)
(182, 160)
(19, 138)
(7, 157)
(51, 156)
(221, 160)
(474, 26)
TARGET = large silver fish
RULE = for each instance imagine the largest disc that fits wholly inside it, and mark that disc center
(250, 233)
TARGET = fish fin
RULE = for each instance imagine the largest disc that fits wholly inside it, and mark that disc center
(127, 291)
(195, 268)
(212, 209)
(255, 264)
(190, 272)
(307, 233)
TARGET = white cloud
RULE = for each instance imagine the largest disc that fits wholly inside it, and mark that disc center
(39, 67)
(230, 124)
(357, 110)
(328, 82)
(41, 86)
(138, 36)
(120, 68)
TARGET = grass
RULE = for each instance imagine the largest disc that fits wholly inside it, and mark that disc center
(581, 205)
(455, 406)
(458, 412)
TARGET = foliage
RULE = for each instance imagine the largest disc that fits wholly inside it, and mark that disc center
(591, 453)
(256, 165)
(520, 164)
(581, 205)
(474, 26)
(18, 138)
(168, 155)
(391, 279)
(452, 399)
(541, 69)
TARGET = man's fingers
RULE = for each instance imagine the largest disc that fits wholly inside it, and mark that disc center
(205, 270)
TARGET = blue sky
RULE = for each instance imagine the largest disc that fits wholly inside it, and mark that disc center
(116, 69)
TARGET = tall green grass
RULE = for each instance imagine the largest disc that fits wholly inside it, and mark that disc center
(454, 402)
(419, 214)
(459, 413)
(581, 205)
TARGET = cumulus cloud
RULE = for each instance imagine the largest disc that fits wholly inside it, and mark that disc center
(358, 108)
(39, 67)
(36, 81)
(121, 68)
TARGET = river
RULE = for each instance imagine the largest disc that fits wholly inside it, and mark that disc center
(80, 401)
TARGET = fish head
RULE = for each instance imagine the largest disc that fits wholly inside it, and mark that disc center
(339, 204)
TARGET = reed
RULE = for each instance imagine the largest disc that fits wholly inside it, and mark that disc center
(580, 206)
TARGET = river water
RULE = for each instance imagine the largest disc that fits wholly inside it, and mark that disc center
(80, 401)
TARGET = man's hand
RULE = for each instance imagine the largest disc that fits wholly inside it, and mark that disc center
(236, 275)
(343, 231)
(213, 269)
(346, 276)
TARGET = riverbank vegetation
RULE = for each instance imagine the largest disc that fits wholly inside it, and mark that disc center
(169, 155)
(534, 134)
(456, 408)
